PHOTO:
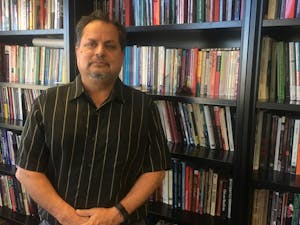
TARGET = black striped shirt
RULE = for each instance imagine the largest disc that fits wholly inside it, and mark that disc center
(93, 156)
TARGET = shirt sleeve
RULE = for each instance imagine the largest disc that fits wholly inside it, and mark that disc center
(157, 155)
(33, 154)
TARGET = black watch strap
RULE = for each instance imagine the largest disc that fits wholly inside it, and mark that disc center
(122, 210)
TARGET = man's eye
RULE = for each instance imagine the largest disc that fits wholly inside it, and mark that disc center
(90, 44)
(110, 46)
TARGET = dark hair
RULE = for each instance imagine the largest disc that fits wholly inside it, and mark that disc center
(98, 15)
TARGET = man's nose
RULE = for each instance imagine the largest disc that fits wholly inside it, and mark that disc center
(100, 50)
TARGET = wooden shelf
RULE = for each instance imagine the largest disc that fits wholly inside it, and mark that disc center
(186, 27)
(287, 29)
(199, 35)
(16, 125)
(279, 106)
(208, 157)
(197, 100)
(276, 181)
(24, 86)
(32, 32)
(17, 218)
(178, 216)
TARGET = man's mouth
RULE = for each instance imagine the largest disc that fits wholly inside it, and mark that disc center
(99, 63)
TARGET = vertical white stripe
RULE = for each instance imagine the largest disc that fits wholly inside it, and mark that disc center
(73, 147)
(117, 153)
(52, 125)
(83, 158)
(138, 139)
(28, 155)
(92, 163)
(105, 152)
(62, 139)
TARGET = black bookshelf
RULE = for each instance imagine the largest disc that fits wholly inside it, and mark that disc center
(16, 125)
(210, 158)
(163, 211)
(17, 218)
(25, 37)
(275, 180)
(282, 29)
(201, 35)
(197, 100)
(294, 107)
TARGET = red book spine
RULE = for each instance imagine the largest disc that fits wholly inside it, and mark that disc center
(290, 7)
(156, 12)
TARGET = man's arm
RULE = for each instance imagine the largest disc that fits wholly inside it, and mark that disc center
(142, 189)
(139, 193)
(42, 192)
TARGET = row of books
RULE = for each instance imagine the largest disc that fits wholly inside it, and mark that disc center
(15, 103)
(31, 14)
(14, 196)
(200, 72)
(273, 207)
(161, 12)
(199, 190)
(32, 65)
(279, 78)
(9, 143)
(277, 143)
(282, 9)
(196, 124)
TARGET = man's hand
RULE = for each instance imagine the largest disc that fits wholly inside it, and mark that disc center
(99, 216)
(74, 218)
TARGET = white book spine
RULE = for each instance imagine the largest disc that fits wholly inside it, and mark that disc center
(229, 128)
(292, 71)
(295, 145)
(297, 60)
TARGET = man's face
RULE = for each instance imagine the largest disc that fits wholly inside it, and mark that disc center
(99, 54)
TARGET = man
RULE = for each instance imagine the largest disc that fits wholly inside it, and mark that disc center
(93, 151)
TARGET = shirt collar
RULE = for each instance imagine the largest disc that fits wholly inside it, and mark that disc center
(77, 90)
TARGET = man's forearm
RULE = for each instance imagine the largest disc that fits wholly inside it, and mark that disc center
(42, 192)
(141, 191)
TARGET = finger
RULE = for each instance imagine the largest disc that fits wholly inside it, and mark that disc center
(83, 212)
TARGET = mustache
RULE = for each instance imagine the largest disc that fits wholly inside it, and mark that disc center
(98, 61)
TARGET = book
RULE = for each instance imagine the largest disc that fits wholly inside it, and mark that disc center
(280, 72)
(272, 9)
(257, 143)
(229, 128)
(48, 42)
(292, 71)
(263, 86)
(297, 68)
(265, 141)
(209, 127)
(290, 7)
(271, 152)
(214, 194)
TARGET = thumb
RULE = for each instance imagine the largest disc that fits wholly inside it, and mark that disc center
(83, 212)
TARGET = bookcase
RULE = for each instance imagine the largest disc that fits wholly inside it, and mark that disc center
(274, 111)
(244, 34)
(21, 23)
(205, 35)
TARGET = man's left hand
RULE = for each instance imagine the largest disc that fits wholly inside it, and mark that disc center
(101, 216)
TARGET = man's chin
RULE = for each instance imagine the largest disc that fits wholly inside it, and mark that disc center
(101, 76)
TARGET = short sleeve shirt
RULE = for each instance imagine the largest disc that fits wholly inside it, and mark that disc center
(93, 156)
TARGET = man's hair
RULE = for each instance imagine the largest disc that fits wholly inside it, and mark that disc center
(98, 15)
